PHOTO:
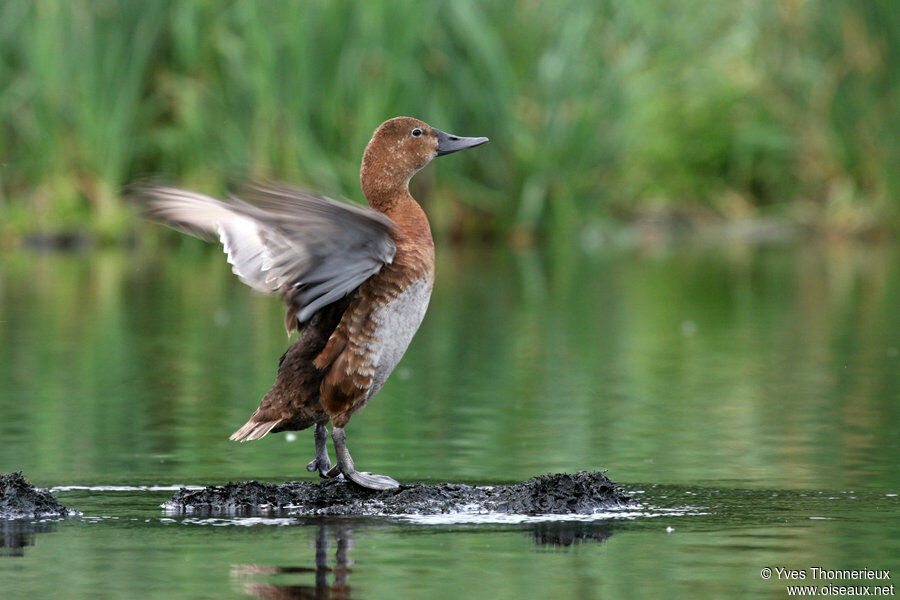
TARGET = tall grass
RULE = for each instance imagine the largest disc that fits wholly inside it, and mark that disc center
(71, 102)
(595, 109)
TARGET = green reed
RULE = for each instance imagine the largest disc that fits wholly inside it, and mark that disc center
(596, 110)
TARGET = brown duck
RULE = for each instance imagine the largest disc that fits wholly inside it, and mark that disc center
(356, 281)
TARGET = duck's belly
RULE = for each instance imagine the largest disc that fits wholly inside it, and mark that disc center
(395, 325)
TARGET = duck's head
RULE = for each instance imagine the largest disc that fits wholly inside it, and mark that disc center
(402, 146)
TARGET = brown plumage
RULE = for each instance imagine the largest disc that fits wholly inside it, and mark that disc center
(356, 282)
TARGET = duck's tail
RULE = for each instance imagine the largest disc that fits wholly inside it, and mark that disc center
(253, 430)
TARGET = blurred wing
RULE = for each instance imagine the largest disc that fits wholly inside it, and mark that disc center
(311, 250)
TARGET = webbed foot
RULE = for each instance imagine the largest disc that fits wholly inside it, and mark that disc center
(372, 481)
(345, 466)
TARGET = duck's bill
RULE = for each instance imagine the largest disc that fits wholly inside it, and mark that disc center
(448, 143)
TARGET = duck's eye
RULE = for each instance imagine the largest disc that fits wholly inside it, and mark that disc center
(416, 132)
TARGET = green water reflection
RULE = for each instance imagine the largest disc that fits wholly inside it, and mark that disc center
(765, 366)
(711, 368)
(133, 553)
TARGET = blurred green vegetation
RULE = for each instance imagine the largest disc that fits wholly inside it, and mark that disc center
(597, 110)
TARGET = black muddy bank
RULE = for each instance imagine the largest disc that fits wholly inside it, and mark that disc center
(21, 500)
(582, 493)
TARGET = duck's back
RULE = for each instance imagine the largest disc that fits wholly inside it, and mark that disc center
(293, 403)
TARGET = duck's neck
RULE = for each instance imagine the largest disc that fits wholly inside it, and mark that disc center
(387, 190)
(385, 182)
(387, 199)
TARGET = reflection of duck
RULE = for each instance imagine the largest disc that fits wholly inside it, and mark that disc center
(570, 533)
(15, 535)
(339, 589)
(356, 282)
(557, 534)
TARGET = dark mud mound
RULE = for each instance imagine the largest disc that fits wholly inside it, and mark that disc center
(21, 500)
(584, 492)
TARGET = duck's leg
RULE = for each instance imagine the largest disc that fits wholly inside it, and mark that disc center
(345, 466)
(321, 462)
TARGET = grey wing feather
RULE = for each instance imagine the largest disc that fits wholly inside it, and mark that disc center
(311, 250)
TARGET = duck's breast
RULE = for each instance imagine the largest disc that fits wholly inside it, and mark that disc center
(396, 322)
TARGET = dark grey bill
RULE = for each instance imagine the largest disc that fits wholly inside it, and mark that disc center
(448, 143)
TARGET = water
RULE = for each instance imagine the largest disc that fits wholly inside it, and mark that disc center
(747, 397)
